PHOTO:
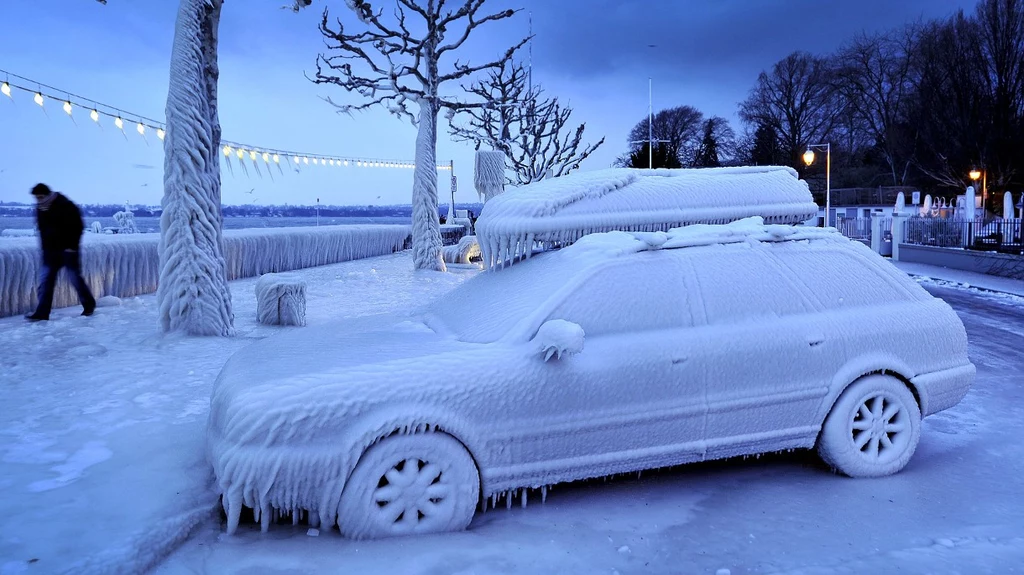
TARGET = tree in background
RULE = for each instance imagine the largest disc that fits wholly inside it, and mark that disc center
(394, 62)
(532, 130)
(797, 101)
(679, 130)
(717, 142)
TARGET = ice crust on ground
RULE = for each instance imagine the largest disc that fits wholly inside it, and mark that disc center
(290, 416)
(128, 265)
(559, 211)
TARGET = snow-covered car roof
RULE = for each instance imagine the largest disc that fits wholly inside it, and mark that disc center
(559, 211)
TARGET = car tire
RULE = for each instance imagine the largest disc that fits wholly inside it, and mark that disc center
(873, 428)
(410, 484)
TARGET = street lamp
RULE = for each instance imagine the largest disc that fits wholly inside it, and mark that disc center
(809, 159)
(650, 141)
(974, 175)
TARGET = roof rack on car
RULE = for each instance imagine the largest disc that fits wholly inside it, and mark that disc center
(557, 212)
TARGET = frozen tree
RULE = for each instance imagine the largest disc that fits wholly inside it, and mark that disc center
(126, 221)
(193, 290)
(394, 62)
(532, 130)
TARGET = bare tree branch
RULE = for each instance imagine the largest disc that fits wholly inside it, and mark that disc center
(529, 128)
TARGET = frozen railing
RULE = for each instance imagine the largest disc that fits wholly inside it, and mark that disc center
(556, 212)
(128, 265)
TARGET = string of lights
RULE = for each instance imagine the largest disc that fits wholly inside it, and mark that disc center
(232, 150)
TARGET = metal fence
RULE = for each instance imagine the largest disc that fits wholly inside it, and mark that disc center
(978, 234)
(858, 228)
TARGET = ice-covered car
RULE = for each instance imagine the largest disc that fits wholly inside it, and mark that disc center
(622, 352)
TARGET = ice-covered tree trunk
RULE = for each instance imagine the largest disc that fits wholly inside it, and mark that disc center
(426, 229)
(193, 291)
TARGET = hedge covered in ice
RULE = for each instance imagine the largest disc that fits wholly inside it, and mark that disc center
(127, 265)
(557, 212)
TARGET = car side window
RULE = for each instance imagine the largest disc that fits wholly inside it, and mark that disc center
(840, 279)
(742, 285)
(648, 293)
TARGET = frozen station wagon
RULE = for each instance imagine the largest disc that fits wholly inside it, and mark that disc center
(622, 352)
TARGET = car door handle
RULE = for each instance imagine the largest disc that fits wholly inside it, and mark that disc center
(815, 340)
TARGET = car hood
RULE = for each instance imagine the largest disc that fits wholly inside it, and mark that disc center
(342, 366)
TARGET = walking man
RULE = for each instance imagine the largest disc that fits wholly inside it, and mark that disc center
(60, 232)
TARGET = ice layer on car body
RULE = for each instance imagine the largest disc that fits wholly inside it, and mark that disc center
(557, 212)
(287, 436)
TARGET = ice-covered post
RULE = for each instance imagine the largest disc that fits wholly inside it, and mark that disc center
(1007, 218)
(967, 237)
(926, 208)
(193, 292)
(899, 234)
(489, 175)
(901, 203)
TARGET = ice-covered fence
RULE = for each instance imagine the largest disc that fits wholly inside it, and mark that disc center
(128, 265)
(557, 212)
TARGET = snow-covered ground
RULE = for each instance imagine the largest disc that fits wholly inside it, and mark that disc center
(101, 446)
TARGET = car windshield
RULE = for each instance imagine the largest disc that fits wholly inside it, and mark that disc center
(485, 308)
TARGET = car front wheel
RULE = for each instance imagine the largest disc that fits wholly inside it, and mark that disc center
(873, 428)
(410, 484)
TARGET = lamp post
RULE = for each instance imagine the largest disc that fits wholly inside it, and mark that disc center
(809, 159)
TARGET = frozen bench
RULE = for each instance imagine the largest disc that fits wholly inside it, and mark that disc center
(281, 299)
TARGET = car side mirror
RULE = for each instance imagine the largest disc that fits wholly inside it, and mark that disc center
(556, 337)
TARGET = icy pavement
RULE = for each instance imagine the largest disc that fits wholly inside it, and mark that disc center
(956, 509)
(101, 431)
(962, 278)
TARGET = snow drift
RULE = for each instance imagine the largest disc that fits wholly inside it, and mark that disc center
(557, 212)
(128, 265)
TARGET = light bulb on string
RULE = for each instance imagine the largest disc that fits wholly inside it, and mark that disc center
(119, 123)
(252, 155)
(305, 160)
(331, 161)
(277, 159)
(5, 89)
(314, 161)
(67, 108)
(296, 159)
(241, 153)
(266, 158)
(95, 116)
(160, 133)
(346, 162)
(141, 129)
(38, 98)
(227, 151)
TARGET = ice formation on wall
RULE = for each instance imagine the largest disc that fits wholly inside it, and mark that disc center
(559, 211)
(125, 266)
(193, 293)
(489, 173)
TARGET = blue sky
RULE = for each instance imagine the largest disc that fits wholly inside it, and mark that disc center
(594, 54)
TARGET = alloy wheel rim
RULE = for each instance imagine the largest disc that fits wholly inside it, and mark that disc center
(880, 428)
(411, 493)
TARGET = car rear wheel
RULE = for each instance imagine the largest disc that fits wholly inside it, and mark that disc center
(410, 484)
(873, 428)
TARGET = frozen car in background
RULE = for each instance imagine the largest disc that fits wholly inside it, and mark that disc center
(622, 352)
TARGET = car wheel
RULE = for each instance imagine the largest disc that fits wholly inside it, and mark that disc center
(873, 428)
(410, 484)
